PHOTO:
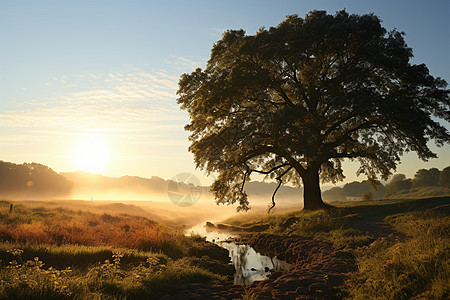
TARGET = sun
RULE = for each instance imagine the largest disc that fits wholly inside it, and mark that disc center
(91, 154)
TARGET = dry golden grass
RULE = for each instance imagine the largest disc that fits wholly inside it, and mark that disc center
(64, 226)
(66, 254)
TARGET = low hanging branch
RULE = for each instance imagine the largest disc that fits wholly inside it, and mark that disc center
(278, 178)
(280, 181)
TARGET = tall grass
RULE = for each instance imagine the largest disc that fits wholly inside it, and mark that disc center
(60, 253)
(416, 267)
(63, 226)
(79, 256)
(30, 279)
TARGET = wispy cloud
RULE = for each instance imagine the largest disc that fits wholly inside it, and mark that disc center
(185, 64)
(138, 100)
(133, 110)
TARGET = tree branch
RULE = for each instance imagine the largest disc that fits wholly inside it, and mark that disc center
(346, 136)
(270, 171)
(337, 124)
(285, 97)
(352, 154)
(280, 181)
(271, 149)
(249, 171)
(257, 151)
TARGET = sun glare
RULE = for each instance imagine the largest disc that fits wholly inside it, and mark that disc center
(91, 154)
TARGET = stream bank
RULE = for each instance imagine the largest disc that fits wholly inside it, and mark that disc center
(317, 269)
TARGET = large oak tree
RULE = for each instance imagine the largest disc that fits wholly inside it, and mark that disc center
(294, 100)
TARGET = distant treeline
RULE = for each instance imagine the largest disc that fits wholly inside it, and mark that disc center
(37, 181)
(398, 185)
(31, 181)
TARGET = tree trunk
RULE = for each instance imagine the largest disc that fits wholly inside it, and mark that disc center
(312, 197)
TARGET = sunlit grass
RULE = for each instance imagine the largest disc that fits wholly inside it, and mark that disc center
(30, 279)
(413, 264)
(417, 267)
(422, 192)
(143, 258)
(66, 254)
(79, 256)
(63, 226)
(330, 225)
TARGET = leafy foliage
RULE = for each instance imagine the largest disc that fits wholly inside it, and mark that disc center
(444, 177)
(425, 177)
(294, 100)
(398, 183)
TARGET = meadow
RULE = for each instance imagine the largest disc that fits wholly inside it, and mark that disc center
(400, 247)
(61, 253)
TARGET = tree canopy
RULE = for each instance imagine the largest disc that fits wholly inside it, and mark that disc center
(444, 177)
(293, 101)
(398, 183)
(424, 177)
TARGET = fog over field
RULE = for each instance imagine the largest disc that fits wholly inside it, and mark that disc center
(175, 203)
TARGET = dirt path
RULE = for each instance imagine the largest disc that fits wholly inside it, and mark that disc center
(375, 227)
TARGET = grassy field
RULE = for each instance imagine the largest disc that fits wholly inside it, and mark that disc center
(401, 247)
(61, 253)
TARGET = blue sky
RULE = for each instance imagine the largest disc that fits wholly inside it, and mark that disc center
(72, 71)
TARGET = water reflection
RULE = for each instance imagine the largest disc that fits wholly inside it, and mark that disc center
(250, 266)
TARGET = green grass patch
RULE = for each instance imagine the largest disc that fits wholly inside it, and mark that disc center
(75, 256)
(333, 225)
(112, 279)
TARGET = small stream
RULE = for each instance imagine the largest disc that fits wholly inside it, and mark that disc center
(250, 265)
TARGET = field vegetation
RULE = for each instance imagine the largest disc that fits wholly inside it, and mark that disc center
(61, 253)
(401, 247)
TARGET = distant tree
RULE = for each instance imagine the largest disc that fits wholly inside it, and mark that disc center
(357, 189)
(367, 196)
(425, 177)
(444, 177)
(398, 183)
(293, 101)
(335, 194)
(31, 180)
